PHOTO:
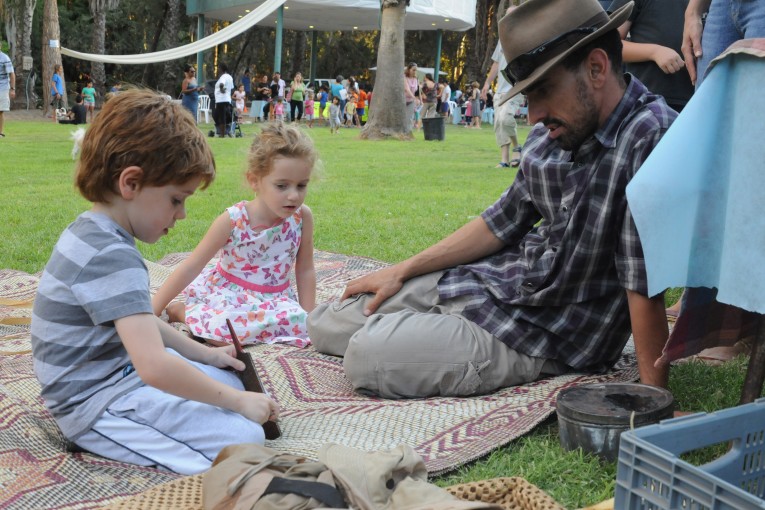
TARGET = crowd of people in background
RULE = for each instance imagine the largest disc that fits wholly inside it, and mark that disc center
(264, 97)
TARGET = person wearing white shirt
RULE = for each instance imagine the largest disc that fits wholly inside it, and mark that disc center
(223, 89)
(505, 127)
(7, 88)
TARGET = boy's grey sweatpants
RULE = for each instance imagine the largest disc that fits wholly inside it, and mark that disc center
(416, 345)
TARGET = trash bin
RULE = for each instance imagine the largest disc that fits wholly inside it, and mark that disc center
(433, 128)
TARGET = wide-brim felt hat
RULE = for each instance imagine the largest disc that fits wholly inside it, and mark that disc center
(537, 23)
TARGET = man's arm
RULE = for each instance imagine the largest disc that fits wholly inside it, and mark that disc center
(12, 78)
(650, 333)
(471, 242)
(489, 79)
(667, 59)
(692, 30)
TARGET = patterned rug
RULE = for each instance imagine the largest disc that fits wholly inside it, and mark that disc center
(38, 468)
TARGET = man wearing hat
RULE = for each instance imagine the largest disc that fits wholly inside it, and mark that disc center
(551, 277)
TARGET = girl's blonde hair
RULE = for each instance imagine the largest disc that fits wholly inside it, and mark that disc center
(475, 84)
(278, 140)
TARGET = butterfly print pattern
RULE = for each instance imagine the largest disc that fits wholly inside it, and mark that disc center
(242, 286)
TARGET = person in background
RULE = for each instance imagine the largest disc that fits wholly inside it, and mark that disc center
(239, 97)
(279, 109)
(89, 98)
(297, 89)
(190, 90)
(411, 91)
(264, 90)
(7, 88)
(475, 105)
(361, 104)
(444, 96)
(323, 98)
(247, 82)
(78, 113)
(222, 115)
(334, 115)
(505, 126)
(57, 90)
(727, 21)
(429, 96)
(651, 39)
(309, 108)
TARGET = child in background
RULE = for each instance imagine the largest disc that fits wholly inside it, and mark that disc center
(120, 382)
(350, 111)
(334, 115)
(89, 99)
(323, 95)
(278, 108)
(475, 105)
(309, 107)
(239, 96)
(417, 116)
(259, 241)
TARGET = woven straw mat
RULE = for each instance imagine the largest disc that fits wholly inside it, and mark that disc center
(38, 468)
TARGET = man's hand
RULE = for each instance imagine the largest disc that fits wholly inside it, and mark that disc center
(383, 284)
(257, 407)
(668, 59)
(691, 47)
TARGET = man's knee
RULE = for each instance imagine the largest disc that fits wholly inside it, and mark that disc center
(331, 325)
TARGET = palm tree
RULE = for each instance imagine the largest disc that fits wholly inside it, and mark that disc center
(99, 8)
(387, 115)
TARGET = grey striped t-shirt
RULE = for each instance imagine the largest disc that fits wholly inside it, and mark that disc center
(94, 276)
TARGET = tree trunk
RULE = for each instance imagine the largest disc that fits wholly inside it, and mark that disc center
(98, 46)
(387, 114)
(298, 56)
(148, 69)
(21, 17)
(170, 81)
(51, 56)
(98, 9)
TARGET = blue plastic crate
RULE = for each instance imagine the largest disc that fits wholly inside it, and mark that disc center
(651, 476)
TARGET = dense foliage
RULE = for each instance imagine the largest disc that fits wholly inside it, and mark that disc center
(135, 26)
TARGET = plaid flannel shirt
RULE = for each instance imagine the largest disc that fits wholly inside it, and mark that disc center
(557, 288)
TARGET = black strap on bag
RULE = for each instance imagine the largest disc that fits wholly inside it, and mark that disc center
(327, 494)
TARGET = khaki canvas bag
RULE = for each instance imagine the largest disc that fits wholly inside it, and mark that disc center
(254, 477)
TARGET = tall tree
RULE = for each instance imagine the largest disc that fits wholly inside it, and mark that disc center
(19, 15)
(51, 51)
(99, 8)
(170, 75)
(387, 115)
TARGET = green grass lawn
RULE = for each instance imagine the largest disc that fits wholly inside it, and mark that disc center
(386, 200)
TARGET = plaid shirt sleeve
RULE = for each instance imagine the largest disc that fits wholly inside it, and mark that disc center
(513, 215)
(630, 263)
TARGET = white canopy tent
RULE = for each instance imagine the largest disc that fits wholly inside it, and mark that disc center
(421, 72)
(325, 15)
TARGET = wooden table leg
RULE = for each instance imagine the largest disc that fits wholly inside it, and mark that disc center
(755, 373)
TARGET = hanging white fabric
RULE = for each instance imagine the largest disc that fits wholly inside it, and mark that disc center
(219, 37)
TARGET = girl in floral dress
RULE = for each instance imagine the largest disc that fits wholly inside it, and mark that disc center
(259, 243)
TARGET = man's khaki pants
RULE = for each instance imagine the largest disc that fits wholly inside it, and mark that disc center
(417, 345)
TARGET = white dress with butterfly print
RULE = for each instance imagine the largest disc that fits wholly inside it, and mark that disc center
(250, 286)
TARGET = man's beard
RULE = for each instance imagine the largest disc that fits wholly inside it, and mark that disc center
(585, 119)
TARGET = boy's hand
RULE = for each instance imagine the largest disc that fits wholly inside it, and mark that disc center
(224, 357)
(257, 407)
